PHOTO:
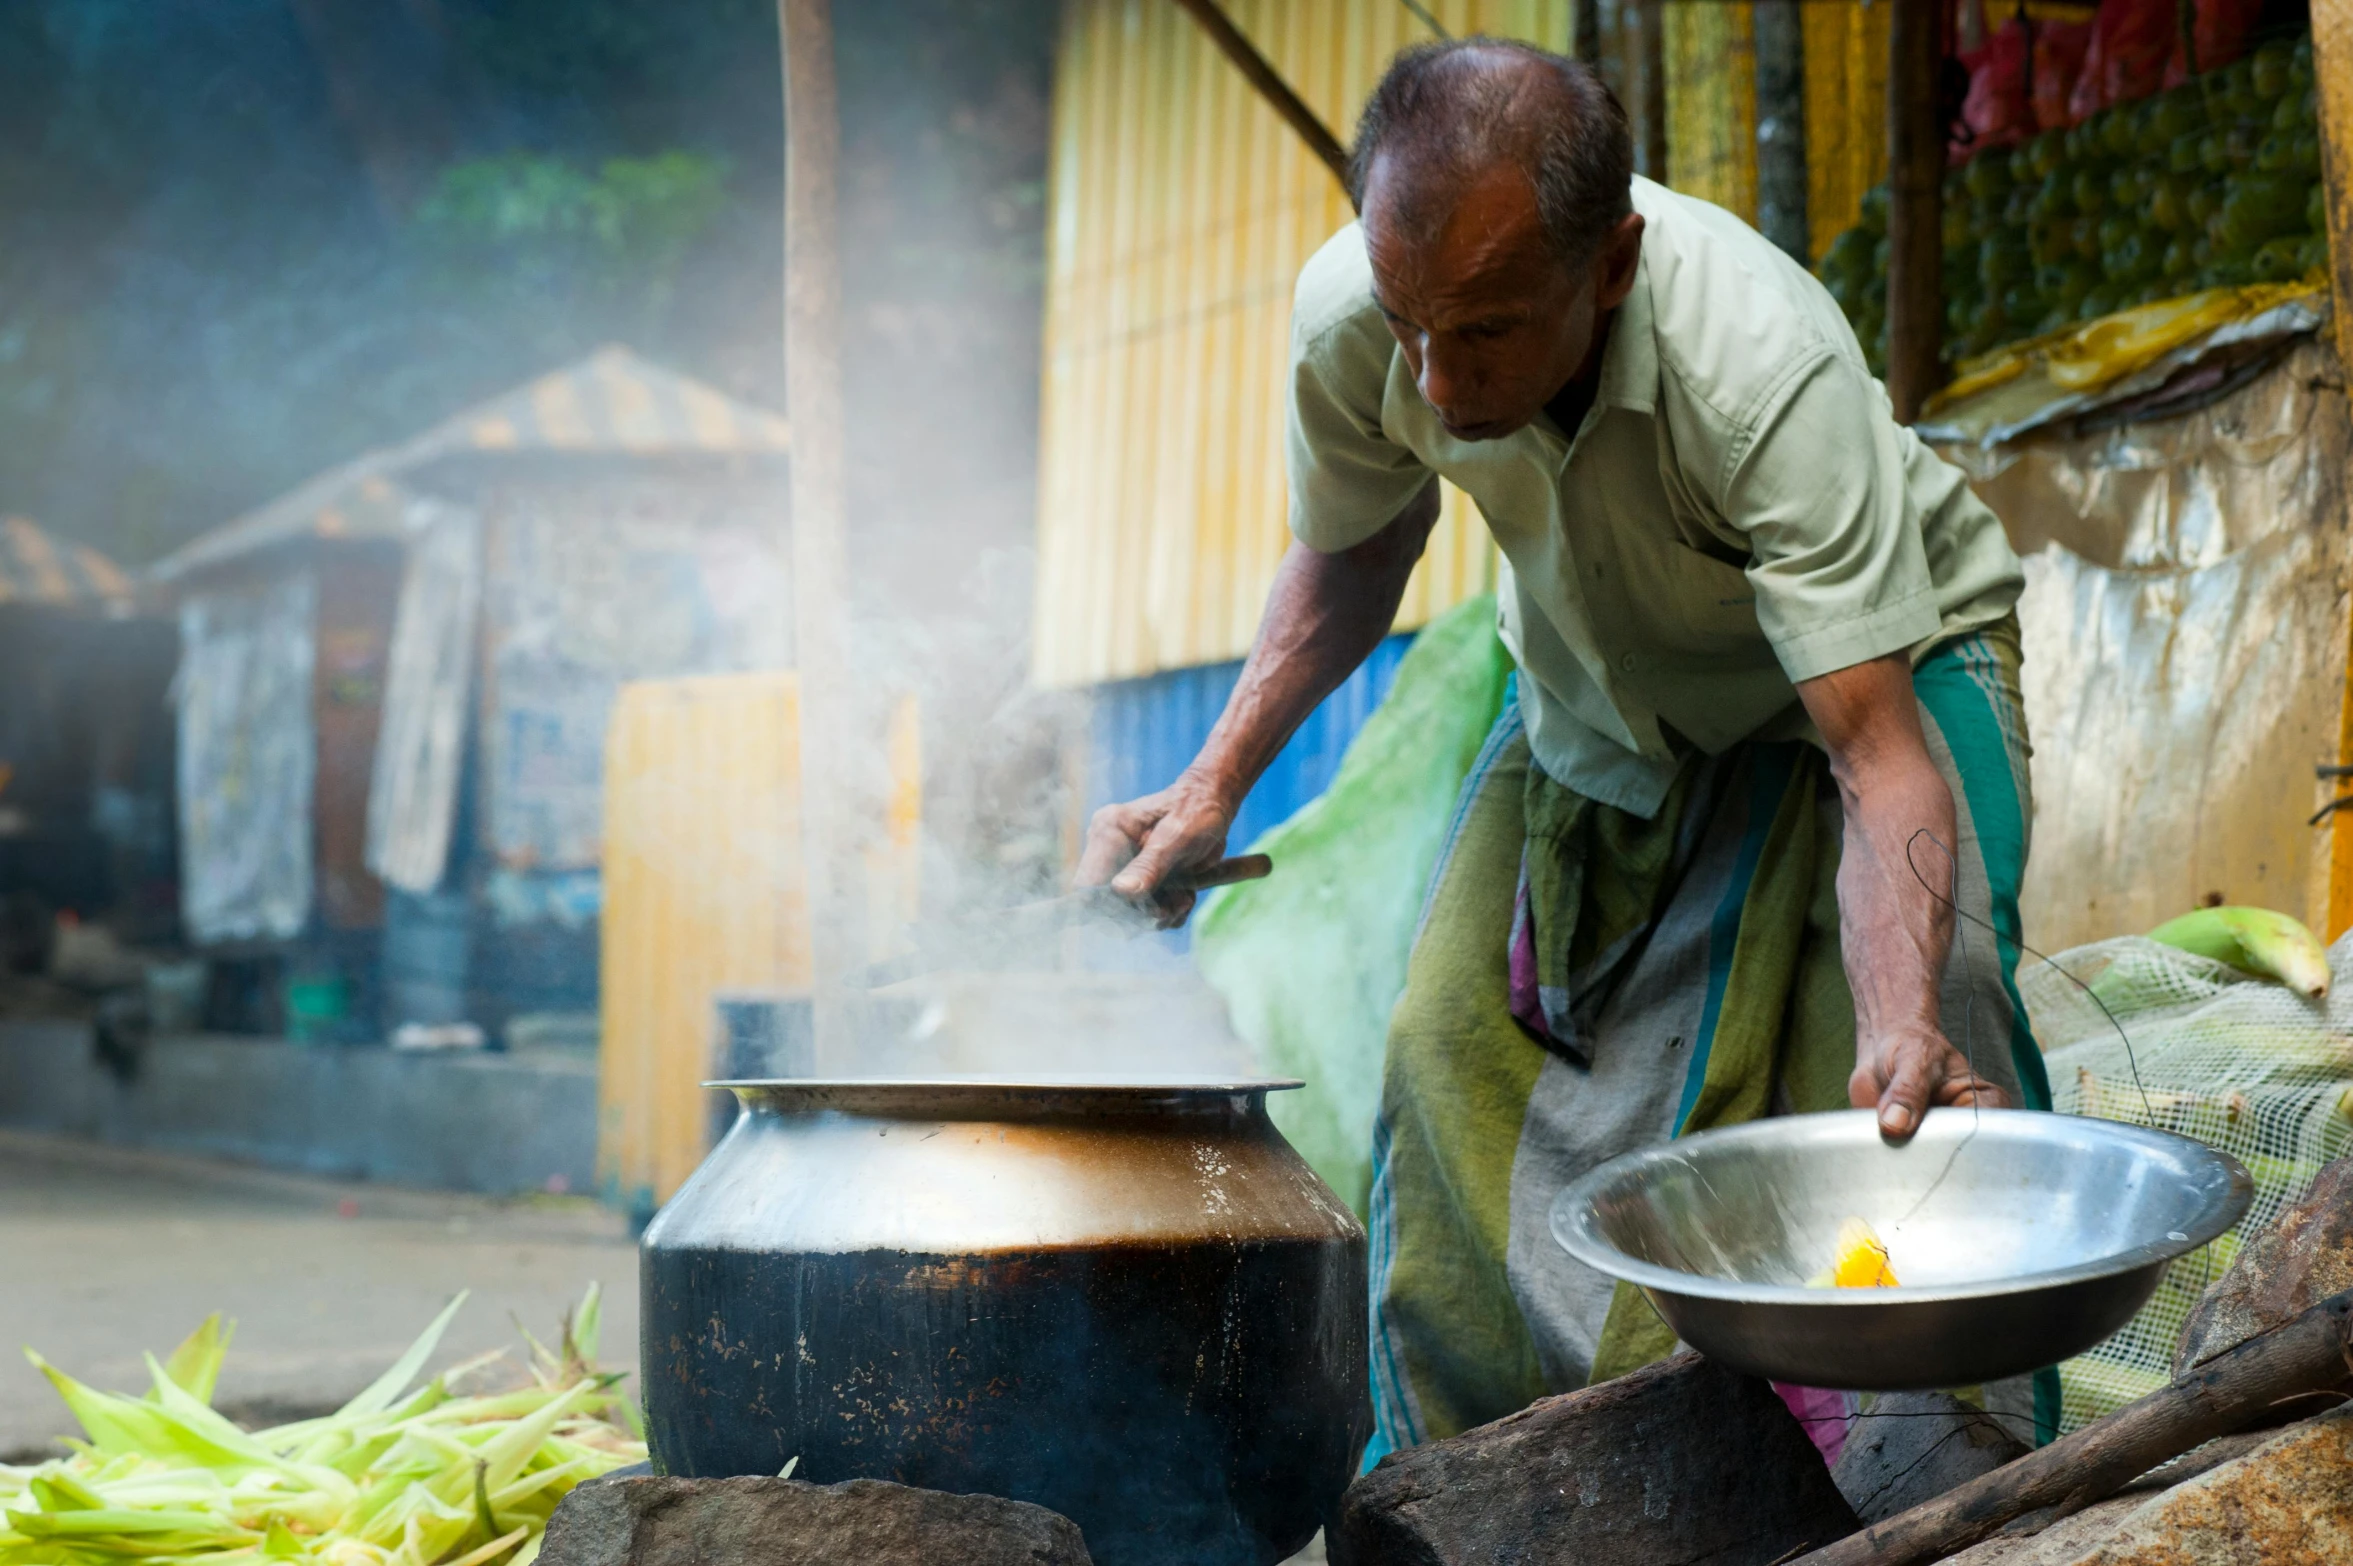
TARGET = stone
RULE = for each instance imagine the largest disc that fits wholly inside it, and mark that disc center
(1678, 1464)
(2301, 1258)
(2287, 1503)
(650, 1521)
(1912, 1447)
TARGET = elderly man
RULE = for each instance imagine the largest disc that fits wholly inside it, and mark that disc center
(1765, 735)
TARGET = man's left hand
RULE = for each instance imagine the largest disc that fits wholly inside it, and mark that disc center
(1902, 1073)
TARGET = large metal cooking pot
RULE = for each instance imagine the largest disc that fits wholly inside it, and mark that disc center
(1131, 1302)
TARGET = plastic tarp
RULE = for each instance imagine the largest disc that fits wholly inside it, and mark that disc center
(1311, 960)
(248, 756)
(2154, 354)
(2184, 629)
(420, 752)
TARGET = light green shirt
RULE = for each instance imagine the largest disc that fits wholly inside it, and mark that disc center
(1738, 511)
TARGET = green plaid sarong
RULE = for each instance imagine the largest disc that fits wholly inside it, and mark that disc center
(1691, 977)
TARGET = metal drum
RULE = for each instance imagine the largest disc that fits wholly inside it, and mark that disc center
(1130, 1302)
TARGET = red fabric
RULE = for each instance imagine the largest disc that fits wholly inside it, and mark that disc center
(2220, 33)
(2058, 60)
(1997, 111)
(2132, 40)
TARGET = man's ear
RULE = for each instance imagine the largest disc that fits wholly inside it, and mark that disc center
(1621, 253)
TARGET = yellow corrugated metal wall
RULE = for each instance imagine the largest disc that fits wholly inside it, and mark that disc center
(703, 892)
(1711, 60)
(1180, 212)
(1846, 113)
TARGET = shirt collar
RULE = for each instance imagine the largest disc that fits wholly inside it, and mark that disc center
(1630, 363)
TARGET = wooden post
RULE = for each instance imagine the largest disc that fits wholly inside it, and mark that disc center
(2332, 72)
(1647, 73)
(1270, 85)
(1781, 127)
(819, 550)
(1915, 216)
(1585, 31)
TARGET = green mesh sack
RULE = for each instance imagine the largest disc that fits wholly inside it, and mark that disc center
(2240, 1063)
(1311, 960)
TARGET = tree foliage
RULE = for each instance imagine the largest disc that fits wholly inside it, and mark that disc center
(243, 240)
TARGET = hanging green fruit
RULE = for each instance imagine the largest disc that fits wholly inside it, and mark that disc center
(2169, 204)
(2278, 260)
(2268, 70)
(2259, 206)
(1987, 176)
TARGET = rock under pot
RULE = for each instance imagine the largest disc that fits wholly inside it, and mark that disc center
(1132, 1303)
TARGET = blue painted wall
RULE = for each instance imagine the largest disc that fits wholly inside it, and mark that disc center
(1147, 730)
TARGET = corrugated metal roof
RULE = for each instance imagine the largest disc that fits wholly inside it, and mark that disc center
(611, 401)
(1180, 211)
(37, 569)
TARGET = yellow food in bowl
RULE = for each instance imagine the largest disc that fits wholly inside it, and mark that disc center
(1861, 1262)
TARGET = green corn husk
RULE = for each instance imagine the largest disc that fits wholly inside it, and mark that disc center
(430, 1477)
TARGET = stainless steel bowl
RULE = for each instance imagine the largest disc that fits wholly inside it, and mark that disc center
(2018, 1239)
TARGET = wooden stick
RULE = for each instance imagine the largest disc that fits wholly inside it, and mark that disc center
(819, 547)
(1915, 204)
(1270, 85)
(2226, 1394)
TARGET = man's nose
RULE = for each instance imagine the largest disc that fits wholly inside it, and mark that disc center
(1444, 384)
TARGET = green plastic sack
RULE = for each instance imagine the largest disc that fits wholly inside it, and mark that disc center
(1311, 960)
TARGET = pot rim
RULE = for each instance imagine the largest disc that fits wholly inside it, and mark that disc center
(981, 1097)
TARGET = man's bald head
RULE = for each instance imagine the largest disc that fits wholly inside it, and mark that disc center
(1449, 115)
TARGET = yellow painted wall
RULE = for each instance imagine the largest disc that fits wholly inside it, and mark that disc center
(703, 892)
(1180, 211)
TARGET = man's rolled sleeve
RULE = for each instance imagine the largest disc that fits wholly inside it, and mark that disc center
(1819, 488)
(1348, 479)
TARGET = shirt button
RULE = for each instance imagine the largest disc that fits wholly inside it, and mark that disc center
(1627, 663)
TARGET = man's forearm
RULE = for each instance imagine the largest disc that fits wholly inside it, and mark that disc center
(1895, 930)
(1896, 871)
(1324, 616)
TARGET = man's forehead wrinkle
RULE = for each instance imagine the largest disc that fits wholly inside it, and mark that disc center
(1454, 248)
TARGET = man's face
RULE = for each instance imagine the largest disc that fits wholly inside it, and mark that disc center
(1492, 324)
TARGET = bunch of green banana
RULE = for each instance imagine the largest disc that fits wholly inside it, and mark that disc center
(2259, 941)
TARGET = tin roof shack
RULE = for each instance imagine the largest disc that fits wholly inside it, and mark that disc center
(397, 680)
(85, 749)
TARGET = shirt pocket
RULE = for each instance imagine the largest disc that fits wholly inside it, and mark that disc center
(1715, 605)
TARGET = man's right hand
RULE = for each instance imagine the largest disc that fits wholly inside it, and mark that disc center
(1324, 616)
(1139, 845)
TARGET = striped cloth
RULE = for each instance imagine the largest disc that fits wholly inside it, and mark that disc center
(1685, 974)
(37, 569)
